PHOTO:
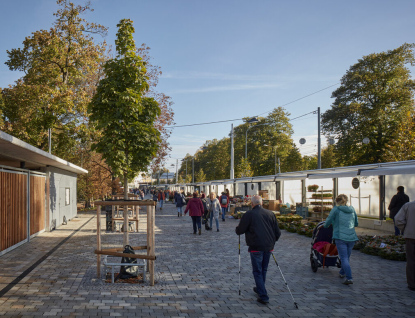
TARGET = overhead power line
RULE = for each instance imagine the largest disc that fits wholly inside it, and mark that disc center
(224, 121)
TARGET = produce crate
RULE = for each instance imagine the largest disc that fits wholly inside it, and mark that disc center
(284, 210)
(302, 211)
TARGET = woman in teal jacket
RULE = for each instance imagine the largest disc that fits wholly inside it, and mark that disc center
(344, 220)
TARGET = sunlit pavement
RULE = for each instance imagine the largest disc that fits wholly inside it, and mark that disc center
(196, 276)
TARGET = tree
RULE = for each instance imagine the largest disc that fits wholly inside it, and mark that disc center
(165, 103)
(375, 95)
(126, 118)
(62, 67)
(200, 176)
(328, 157)
(293, 162)
(402, 146)
(309, 162)
(243, 169)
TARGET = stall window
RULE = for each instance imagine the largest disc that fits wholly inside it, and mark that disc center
(67, 196)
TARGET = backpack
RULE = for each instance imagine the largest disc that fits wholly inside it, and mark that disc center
(128, 271)
(224, 199)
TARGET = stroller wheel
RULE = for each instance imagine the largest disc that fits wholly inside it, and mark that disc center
(314, 264)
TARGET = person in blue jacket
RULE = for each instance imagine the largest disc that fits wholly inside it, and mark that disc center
(344, 220)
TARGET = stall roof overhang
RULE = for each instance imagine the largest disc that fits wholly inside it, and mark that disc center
(385, 171)
(13, 151)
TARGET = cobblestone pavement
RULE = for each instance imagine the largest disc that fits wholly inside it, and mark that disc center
(197, 276)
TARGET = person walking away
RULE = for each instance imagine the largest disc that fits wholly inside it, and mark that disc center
(224, 202)
(195, 208)
(161, 198)
(214, 210)
(397, 202)
(229, 197)
(261, 231)
(205, 211)
(155, 197)
(405, 221)
(180, 202)
(344, 220)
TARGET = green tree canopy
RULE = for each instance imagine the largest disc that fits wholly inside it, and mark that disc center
(126, 118)
(374, 97)
(62, 67)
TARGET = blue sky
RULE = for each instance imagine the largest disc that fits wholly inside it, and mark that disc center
(231, 59)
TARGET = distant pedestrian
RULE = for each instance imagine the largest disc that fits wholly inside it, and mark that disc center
(344, 220)
(155, 197)
(195, 208)
(397, 202)
(224, 202)
(261, 231)
(161, 197)
(214, 209)
(180, 202)
(405, 221)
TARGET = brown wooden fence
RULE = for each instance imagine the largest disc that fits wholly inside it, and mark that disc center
(14, 206)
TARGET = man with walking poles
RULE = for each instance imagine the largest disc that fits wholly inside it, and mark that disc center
(261, 231)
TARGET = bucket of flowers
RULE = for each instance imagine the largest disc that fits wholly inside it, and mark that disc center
(312, 188)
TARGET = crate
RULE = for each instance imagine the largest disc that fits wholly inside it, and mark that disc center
(302, 211)
(284, 210)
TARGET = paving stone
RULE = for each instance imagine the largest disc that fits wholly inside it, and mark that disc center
(196, 276)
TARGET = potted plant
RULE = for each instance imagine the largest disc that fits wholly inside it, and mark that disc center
(312, 187)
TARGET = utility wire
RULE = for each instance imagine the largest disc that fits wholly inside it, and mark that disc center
(224, 121)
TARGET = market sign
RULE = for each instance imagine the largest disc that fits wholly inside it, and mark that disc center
(355, 183)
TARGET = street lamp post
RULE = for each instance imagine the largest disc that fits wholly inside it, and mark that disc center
(275, 156)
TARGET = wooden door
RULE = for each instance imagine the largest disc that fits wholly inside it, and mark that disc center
(13, 209)
(37, 204)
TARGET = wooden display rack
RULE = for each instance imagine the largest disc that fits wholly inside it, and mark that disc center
(150, 247)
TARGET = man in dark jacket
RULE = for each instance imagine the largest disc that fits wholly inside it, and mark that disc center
(261, 231)
(397, 202)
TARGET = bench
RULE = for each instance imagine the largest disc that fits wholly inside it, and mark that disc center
(113, 261)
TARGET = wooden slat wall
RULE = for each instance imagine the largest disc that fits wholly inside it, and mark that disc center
(37, 204)
(13, 209)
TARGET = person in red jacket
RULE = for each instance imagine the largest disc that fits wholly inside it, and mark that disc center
(224, 202)
(161, 198)
(195, 208)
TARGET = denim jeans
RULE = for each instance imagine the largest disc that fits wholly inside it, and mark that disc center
(223, 212)
(216, 220)
(161, 204)
(345, 250)
(180, 210)
(397, 231)
(196, 220)
(260, 262)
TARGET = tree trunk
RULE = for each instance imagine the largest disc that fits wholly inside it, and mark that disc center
(125, 186)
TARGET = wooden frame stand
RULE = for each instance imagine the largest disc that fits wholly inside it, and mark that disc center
(150, 247)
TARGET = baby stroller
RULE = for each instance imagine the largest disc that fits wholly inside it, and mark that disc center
(322, 254)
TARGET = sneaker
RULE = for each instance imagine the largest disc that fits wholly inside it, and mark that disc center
(255, 290)
(217, 230)
(342, 276)
(262, 301)
(200, 231)
(348, 282)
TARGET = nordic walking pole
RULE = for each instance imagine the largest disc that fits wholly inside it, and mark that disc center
(239, 249)
(295, 304)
